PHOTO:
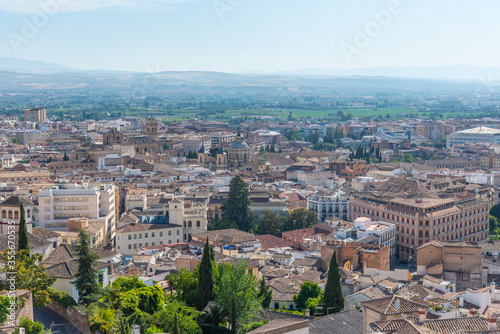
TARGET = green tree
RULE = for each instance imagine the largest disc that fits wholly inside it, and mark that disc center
(23, 242)
(495, 211)
(186, 285)
(493, 225)
(237, 206)
(4, 308)
(31, 327)
(313, 138)
(307, 290)
(186, 318)
(408, 158)
(205, 279)
(65, 158)
(265, 293)
(334, 298)
(271, 223)
(30, 275)
(86, 277)
(235, 280)
(301, 218)
(293, 135)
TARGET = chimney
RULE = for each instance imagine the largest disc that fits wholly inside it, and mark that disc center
(492, 291)
(472, 312)
(492, 323)
(422, 315)
(461, 301)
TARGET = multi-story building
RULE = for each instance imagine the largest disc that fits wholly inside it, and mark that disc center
(35, 115)
(456, 215)
(190, 214)
(386, 232)
(434, 130)
(33, 135)
(194, 144)
(60, 203)
(327, 204)
(357, 168)
(135, 235)
(476, 135)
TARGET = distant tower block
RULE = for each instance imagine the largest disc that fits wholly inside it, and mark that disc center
(152, 128)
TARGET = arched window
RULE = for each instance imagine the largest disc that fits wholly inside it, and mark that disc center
(190, 224)
(16, 214)
(10, 214)
(184, 224)
(4, 214)
(198, 224)
(28, 213)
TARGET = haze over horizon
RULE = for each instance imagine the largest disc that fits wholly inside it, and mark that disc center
(249, 36)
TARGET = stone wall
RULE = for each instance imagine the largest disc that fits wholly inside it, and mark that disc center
(77, 318)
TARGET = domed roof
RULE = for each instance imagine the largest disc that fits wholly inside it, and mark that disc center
(239, 145)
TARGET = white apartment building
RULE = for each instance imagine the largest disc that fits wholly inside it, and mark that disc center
(476, 135)
(384, 230)
(135, 235)
(95, 202)
(327, 204)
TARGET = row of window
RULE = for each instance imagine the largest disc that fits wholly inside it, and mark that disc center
(8, 214)
(147, 244)
(146, 235)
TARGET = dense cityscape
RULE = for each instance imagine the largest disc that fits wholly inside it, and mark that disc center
(249, 167)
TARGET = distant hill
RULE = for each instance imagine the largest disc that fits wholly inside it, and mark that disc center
(452, 72)
(18, 74)
(22, 65)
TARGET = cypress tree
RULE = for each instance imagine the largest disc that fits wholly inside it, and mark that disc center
(23, 229)
(233, 317)
(86, 276)
(205, 279)
(237, 206)
(175, 327)
(334, 298)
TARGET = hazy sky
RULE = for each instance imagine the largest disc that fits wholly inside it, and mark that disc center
(250, 35)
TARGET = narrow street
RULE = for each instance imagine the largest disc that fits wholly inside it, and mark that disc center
(50, 318)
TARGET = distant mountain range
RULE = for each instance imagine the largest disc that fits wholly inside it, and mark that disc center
(26, 74)
(22, 65)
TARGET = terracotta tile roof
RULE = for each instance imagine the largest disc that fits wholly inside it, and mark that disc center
(393, 305)
(43, 233)
(138, 227)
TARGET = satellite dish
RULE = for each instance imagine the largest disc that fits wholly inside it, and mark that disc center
(396, 304)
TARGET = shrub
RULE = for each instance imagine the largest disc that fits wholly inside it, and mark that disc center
(62, 298)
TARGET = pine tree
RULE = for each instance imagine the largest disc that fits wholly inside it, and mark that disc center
(205, 279)
(175, 327)
(23, 230)
(334, 298)
(86, 276)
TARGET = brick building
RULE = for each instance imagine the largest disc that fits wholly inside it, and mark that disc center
(421, 215)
